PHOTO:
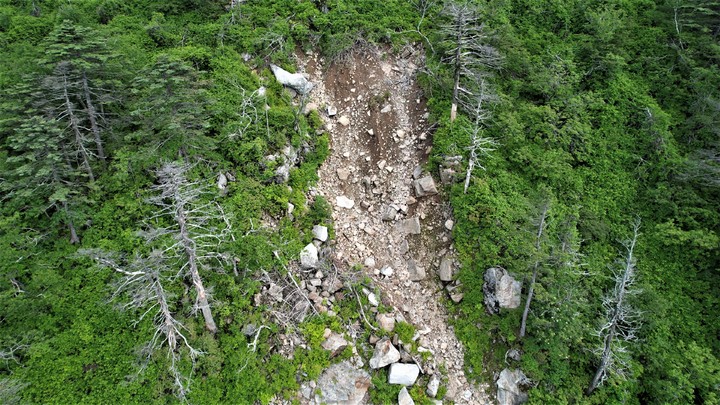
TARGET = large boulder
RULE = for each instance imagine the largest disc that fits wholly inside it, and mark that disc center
(309, 257)
(403, 374)
(295, 81)
(385, 353)
(501, 290)
(508, 387)
(342, 383)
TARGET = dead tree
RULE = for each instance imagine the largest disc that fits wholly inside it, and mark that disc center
(480, 146)
(621, 321)
(541, 226)
(467, 49)
(194, 242)
(143, 281)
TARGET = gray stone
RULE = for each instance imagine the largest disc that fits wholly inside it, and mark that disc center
(409, 226)
(385, 353)
(372, 299)
(417, 172)
(500, 290)
(370, 262)
(249, 329)
(404, 247)
(295, 81)
(449, 224)
(447, 176)
(388, 213)
(508, 390)
(344, 202)
(446, 269)
(320, 233)
(386, 322)
(433, 386)
(331, 111)
(404, 397)
(508, 292)
(332, 286)
(335, 344)
(403, 374)
(343, 174)
(387, 271)
(222, 181)
(275, 291)
(344, 121)
(425, 187)
(416, 272)
(342, 383)
(309, 257)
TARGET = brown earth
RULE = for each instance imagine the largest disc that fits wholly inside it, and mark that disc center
(386, 138)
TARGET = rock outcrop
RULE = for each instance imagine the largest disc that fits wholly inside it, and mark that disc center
(508, 387)
(295, 81)
(501, 290)
(343, 383)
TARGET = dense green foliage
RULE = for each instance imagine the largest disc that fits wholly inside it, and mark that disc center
(604, 109)
(608, 112)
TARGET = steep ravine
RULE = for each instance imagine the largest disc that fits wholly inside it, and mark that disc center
(380, 136)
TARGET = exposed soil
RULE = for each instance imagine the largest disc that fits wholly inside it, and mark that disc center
(386, 137)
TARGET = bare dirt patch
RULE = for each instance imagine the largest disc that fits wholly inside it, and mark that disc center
(379, 138)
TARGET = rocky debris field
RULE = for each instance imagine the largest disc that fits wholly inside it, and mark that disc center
(390, 220)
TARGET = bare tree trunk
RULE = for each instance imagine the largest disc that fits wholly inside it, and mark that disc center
(456, 85)
(605, 359)
(92, 115)
(76, 130)
(622, 318)
(531, 290)
(189, 247)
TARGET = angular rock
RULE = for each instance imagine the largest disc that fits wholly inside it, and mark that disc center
(385, 353)
(343, 174)
(416, 272)
(331, 111)
(433, 386)
(344, 202)
(417, 172)
(332, 286)
(388, 213)
(386, 322)
(222, 181)
(275, 291)
(335, 344)
(410, 226)
(425, 187)
(372, 299)
(370, 262)
(387, 271)
(500, 290)
(404, 397)
(309, 257)
(404, 247)
(342, 383)
(249, 329)
(344, 121)
(446, 269)
(508, 390)
(447, 176)
(320, 233)
(295, 81)
(403, 374)
(508, 292)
